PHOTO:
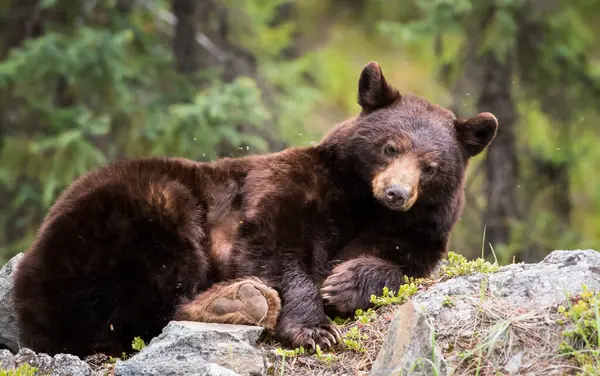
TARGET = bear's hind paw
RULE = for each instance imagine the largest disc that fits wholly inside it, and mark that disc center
(245, 301)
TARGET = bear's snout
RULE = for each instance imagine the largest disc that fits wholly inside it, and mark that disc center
(396, 185)
(397, 194)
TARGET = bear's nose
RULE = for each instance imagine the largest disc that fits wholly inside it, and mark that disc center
(397, 194)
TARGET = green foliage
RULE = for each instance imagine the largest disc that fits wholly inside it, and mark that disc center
(290, 353)
(365, 317)
(79, 97)
(24, 370)
(100, 84)
(447, 302)
(459, 265)
(582, 332)
(138, 344)
(405, 292)
(353, 339)
(326, 358)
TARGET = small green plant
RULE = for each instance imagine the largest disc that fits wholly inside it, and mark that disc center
(324, 357)
(24, 370)
(113, 360)
(447, 302)
(290, 353)
(340, 321)
(365, 317)
(405, 292)
(353, 339)
(138, 344)
(459, 265)
(582, 334)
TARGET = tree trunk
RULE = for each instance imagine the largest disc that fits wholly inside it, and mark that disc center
(185, 47)
(501, 161)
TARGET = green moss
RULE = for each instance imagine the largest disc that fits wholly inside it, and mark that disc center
(459, 265)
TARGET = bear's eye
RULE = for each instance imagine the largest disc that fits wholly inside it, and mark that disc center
(390, 149)
(430, 169)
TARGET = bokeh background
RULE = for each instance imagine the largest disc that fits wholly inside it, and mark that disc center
(85, 82)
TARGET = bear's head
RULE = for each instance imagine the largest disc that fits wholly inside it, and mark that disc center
(402, 148)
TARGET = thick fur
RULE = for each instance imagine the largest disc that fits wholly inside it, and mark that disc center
(127, 244)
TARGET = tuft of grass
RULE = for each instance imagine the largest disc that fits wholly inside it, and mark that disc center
(582, 333)
(24, 370)
(459, 265)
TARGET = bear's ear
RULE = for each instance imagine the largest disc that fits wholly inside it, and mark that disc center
(476, 133)
(373, 90)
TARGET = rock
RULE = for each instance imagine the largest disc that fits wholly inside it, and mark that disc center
(528, 286)
(59, 365)
(409, 347)
(524, 294)
(193, 348)
(9, 332)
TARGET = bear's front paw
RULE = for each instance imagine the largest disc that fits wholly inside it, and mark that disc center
(343, 291)
(297, 335)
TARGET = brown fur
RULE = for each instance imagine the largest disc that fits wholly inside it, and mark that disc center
(127, 244)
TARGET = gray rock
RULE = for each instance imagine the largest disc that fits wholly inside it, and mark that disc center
(529, 286)
(519, 287)
(409, 347)
(9, 332)
(193, 348)
(59, 365)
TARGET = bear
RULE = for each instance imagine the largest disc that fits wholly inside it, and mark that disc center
(275, 240)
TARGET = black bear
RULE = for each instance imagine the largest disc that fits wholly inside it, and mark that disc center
(269, 240)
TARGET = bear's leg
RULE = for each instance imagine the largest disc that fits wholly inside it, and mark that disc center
(246, 301)
(303, 321)
(351, 283)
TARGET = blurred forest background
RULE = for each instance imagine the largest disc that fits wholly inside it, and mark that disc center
(89, 81)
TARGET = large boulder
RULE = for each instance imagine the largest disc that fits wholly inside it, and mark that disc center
(193, 348)
(510, 316)
(9, 331)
